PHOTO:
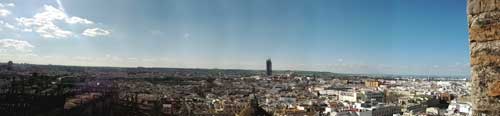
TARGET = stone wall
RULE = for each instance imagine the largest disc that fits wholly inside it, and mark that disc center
(484, 37)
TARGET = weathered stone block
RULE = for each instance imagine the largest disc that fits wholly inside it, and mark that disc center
(494, 89)
(485, 60)
(484, 27)
(473, 6)
(497, 4)
(480, 6)
(485, 48)
(485, 34)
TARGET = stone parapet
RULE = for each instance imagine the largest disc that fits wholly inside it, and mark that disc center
(484, 37)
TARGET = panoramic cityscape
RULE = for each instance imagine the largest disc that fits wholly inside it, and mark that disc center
(87, 91)
(249, 58)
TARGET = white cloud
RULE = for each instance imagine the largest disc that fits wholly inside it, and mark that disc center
(4, 12)
(95, 32)
(27, 30)
(11, 4)
(78, 20)
(13, 49)
(3, 9)
(8, 25)
(7, 5)
(50, 14)
(12, 45)
(52, 31)
(44, 23)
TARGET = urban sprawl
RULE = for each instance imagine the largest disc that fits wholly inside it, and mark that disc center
(53, 90)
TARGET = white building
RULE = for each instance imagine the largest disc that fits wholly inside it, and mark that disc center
(349, 96)
(459, 108)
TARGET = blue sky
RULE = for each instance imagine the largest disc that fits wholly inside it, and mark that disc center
(346, 36)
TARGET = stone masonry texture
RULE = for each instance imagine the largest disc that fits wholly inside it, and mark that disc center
(484, 38)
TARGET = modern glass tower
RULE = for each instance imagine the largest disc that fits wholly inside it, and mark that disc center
(269, 67)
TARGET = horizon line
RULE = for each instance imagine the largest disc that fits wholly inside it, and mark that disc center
(206, 68)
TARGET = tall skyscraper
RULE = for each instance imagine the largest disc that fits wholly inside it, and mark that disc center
(269, 67)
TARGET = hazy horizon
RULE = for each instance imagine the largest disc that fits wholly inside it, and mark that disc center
(373, 37)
